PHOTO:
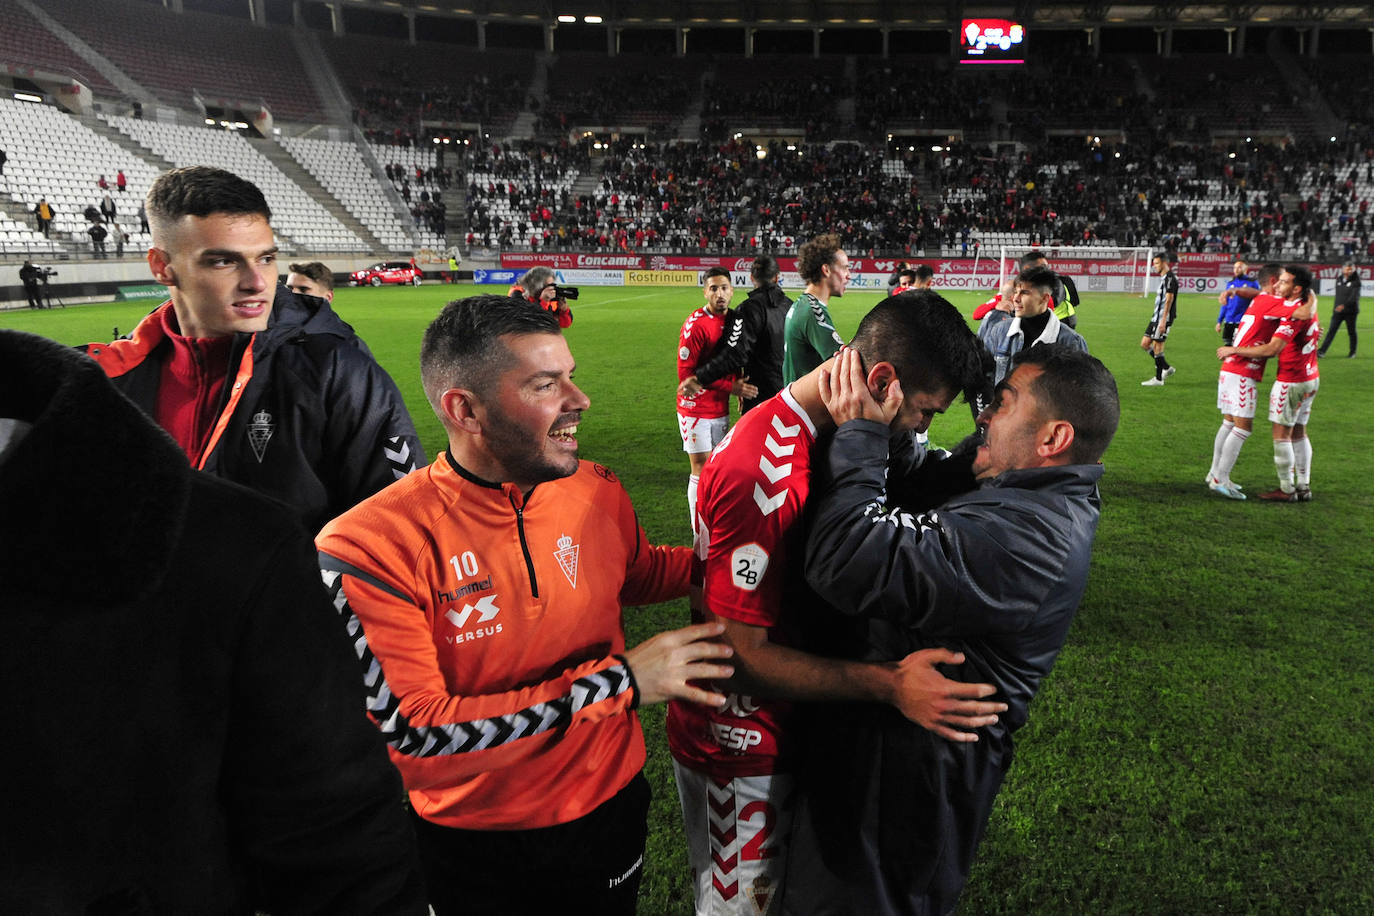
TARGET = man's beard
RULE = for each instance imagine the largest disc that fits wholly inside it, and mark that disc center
(525, 461)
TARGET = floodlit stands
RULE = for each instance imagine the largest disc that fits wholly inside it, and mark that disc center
(53, 155)
(294, 214)
(341, 170)
(1213, 92)
(396, 85)
(1172, 165)
(518, 194)
(25, 41)
(178, 55)
(588, 90)
(402, 161)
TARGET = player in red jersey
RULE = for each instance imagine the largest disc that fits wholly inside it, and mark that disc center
(732, 763)
(703, 418)
(1294, 341)
(1242, 368)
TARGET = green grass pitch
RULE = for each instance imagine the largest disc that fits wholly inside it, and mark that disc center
(1205, 742)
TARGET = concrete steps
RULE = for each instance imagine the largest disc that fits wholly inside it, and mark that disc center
(316, 191)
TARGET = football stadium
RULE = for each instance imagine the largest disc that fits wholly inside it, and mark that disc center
(1201, 741)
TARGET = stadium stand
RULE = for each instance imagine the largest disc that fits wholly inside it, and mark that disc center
(396, 85)
(54, 156)
(517, 194)
(1013, 165)
(182, 55)
(295, 216)
(26, 42)
(762, 91)
(588, 90)
(341, 169)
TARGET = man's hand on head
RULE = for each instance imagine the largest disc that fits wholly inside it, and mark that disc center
(664, 666)
(844, 391)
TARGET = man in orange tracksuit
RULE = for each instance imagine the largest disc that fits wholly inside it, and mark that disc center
(484, 594)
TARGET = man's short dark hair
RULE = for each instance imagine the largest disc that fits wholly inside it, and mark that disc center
(717, 271)
(462, 348)
(1075, 387)
(1039, 277)
(765, 269)
(909, 274)
(926, 340)
(535, 279)
(200, 190)
(1267, 273)
(817, 253)
(923, 272)
(1032, 257)
(1301, 276)
(315, 270)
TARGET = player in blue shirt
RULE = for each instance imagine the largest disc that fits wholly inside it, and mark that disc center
(1234, 302)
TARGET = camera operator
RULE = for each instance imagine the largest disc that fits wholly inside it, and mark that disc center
(539, 285)
(31, 276)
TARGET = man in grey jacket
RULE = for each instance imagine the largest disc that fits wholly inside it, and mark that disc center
(890, 815)
(1033, 322)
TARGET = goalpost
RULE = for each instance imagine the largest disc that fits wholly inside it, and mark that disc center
(1094, 268)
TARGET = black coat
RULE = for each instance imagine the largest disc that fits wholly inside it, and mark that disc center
(891, 813)
(187, 723)
(319, 424)
(751, 344)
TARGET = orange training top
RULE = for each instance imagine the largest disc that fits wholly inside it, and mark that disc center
(489, 627)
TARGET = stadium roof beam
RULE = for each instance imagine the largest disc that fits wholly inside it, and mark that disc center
(933, 14)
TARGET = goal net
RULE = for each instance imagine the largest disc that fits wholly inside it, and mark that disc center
(1094, 268)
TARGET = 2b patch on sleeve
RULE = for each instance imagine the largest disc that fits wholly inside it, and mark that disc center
(748, 563)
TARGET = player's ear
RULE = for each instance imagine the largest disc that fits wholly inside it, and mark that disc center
(462, 410)
(879, 376)
(1055, 439)
(160, 263)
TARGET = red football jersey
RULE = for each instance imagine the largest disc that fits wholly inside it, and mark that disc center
(1298, 358)
(700, 334)
(748, 502)
(1257, 327)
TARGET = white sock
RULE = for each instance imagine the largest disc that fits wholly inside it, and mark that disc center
(1302, 461)
(692, 501)
(1226, 427)
(1230, 451)
(1283, 463)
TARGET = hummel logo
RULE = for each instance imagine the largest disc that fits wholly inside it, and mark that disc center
(773, 472)
(780, 451)
(734, 335)
(767, 504)
(486, 607)
(786, 432)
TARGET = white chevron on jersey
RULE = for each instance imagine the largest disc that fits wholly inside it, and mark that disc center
(769, 504)
(786, 432)
(774, 472)
(778, 450)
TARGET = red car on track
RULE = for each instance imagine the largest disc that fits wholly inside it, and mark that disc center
(387, 272)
